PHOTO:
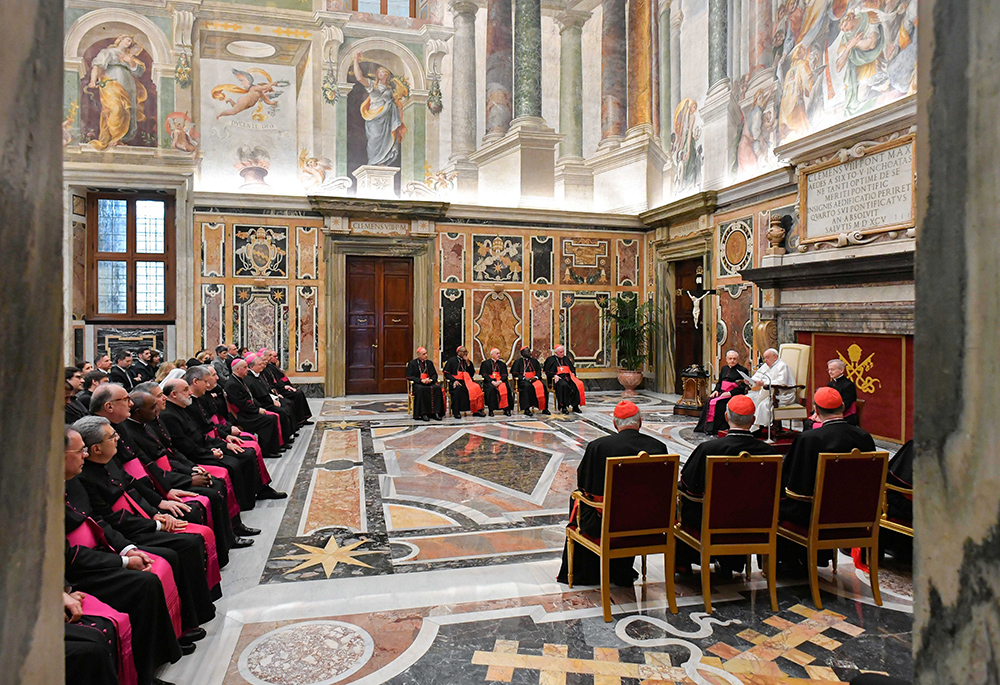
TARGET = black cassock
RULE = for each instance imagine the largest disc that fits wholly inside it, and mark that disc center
(693, 482)
(527, 396)
(901, 475)
(278, 380)
(74, 411)
(261, 392)
(185, 552)
(730, 374)
(91, 651)
(567, 394)
(249, 418)
(187, 436)
(460, 393)
(139, 594)
(428, 399)
(590, 480)
(492, 393)
(849, 393)
(798, 470)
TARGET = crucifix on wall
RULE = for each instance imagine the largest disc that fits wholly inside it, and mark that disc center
(696, 297)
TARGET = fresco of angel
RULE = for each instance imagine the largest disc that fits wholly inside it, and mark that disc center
(252, 92)
(382, 112)
(313, 170)
(180, 128)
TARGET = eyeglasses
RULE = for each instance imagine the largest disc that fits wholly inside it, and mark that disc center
(82, 450)
(114, 436)
(126, 398)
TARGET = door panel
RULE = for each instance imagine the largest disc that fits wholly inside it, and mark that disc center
(379, 324)
(687, 339)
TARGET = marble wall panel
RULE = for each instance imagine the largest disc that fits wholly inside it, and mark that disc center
(541, 259)
(497, 258)
(451, 256)
(260, 319)
(452, 318)
(307, 241)
(213, 249)
(735, 246)
(585, 261)
(583, 332)
(496, 323)
(260, 251)
(213, 315)
(110, 339)
(306, 328)
(628, 262)
(734, 326)
(542, 313)
(79, 284)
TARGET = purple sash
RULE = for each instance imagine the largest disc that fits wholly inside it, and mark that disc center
(126, 664)
(727, 386)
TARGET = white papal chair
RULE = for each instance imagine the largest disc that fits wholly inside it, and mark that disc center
(798, 357)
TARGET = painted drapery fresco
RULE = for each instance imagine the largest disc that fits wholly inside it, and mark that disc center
(119, 97)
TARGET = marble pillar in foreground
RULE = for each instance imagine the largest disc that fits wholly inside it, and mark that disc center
(665, 111)
(614, 60)
(574, 183)
(528, 59)
(499, 69)
(956, 631)
(31, 321)
(718, 41)
(463, 98)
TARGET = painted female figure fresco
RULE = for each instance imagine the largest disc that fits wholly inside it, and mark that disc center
(114, 75)
(383, 114)
(685, 146)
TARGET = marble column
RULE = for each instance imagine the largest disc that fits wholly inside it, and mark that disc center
(718, 39)
(676, 19)
(666, 110)
(571, 83)
(760, 34)
(528, 59)
(640, 65)
(614, 51)
(736, 40)
(499, 69)
(957, 503)
(463, 108)
(31, 335)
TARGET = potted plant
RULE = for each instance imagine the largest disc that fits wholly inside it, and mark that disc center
(634, 325)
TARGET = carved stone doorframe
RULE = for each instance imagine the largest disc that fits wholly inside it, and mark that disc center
(419, 246)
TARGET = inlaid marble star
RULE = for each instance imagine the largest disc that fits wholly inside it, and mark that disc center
(328, 556)
(344, 425)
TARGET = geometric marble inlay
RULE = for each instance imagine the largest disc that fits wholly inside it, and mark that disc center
(308, 653)
(496, 461)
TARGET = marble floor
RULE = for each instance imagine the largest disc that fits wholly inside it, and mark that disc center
(426, 553)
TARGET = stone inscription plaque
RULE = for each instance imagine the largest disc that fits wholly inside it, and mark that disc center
(380, 227)
(869, 194)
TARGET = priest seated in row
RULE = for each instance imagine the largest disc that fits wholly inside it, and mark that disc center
(561, 372)
(774, 374)
(730, 384)
(531, 390)
(428, 396)
(466, 394)
(836, 369)
(496, 383)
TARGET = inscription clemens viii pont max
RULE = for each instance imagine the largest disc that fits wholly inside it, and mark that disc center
(873, 192)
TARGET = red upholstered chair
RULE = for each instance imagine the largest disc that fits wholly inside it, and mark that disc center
(638, 513)
(846, 511)
(894, 524)
(740, 515)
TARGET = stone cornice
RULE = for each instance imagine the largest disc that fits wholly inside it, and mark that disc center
(500, 215)
(780, 181)
(359, 208)
(888, 268)
(680, 211)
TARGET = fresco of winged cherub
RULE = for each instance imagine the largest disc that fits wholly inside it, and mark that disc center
(252, 92)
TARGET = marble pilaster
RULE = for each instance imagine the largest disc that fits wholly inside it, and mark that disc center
(640, 65)
(571, 82)
(736, 41)
(760, 34)
(663, 36)
(499, 69)
(718, 41)
(614, 57)
(722, 118)
(463, 107)
(957, 503)
(676, 19)
(528, 58)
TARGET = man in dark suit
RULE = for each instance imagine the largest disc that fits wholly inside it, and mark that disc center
(740, 415)
(119, 373)
(142, 368)
(627, 442)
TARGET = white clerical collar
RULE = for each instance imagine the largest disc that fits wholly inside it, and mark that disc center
(256, 375)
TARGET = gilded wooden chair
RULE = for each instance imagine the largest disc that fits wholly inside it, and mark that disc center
(409, 396)
(638, 509)
(846, 511)
(739, 515)
(894, 524)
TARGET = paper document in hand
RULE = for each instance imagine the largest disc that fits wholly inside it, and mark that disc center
(745, 377)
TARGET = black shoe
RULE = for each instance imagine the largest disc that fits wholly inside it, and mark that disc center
(246, 530)
(157, 681)
(285, 447)
(456, 415)
(424, 417)
(565, 410)
(506, 412)
(240, 543)
(438, 417)
(187, 649)
(527, 412)
(192, 636)
(267, 492)
(481, 413)
(546, 412)
(491, 412)
(577, 410)
(307, 422)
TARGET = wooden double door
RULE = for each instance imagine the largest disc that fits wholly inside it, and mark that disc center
(379, 324)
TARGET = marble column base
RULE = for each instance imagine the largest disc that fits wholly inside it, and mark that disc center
(518, 170)
(629, 178)
(376, 182)
(574, 183)
(466, 179)
(721, 114)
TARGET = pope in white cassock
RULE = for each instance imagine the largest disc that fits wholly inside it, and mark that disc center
(772, 372)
